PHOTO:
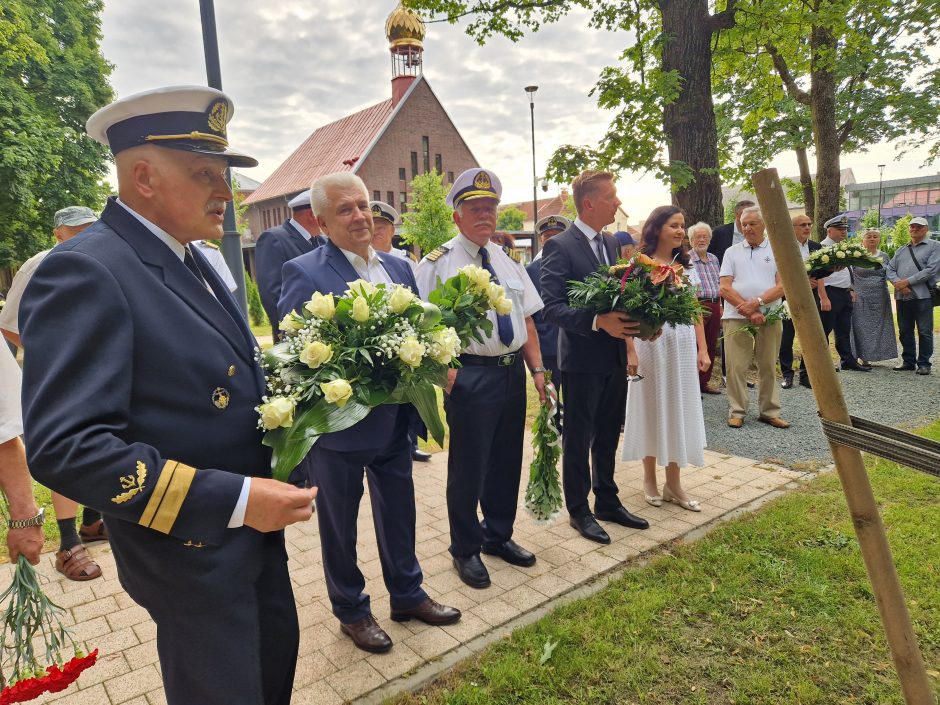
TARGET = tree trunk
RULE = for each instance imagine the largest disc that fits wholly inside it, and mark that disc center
(689, 122)
(825, 130)
(806, 181)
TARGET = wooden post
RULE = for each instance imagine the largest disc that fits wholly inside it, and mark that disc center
(869, 529)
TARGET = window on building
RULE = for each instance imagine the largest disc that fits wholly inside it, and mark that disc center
(426, 153)
(414, 164)
(402, 174)
(376, 195)
(391, 198)
(438, 164)
(450, 177)
(403, 202)
(264, 219)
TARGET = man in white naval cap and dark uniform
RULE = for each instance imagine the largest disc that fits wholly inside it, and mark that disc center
(140, 403)
(485, 399)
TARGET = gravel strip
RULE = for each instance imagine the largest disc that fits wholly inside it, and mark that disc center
(901, 399)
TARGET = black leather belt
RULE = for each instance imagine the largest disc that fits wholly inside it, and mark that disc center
(491, 360)
(709, 299)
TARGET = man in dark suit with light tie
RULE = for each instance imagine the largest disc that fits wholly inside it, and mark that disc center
(379, 443)
(139, 401)
(297, 236)
(592, 357)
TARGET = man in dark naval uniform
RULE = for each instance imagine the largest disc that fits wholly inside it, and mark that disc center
(379, 443)
(139, 399)
(296, 236)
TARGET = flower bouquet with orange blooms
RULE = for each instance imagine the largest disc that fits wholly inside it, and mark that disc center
(649, 292)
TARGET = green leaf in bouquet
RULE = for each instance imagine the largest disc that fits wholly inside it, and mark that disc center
(430, 317)
(278, 354)
(424, 397)
(291, 445)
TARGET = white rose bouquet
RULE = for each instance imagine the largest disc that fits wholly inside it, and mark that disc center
(848, 253)
(376, 344)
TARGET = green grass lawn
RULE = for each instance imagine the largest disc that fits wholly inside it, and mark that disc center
(774, 607)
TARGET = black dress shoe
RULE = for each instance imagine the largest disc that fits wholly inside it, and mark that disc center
(472, 571)
(855, 367)
(368, 635)
(588, 527)
(751, 385)
(511, 552)
(804, 382)
(923, 370)
(904, 367)
(429, 612)
(420, 456)
(621, 516)
(787, 380)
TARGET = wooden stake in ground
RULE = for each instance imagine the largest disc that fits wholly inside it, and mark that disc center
(872, 540)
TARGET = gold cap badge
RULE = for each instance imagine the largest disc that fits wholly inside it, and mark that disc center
(218, 112)
(482, 181)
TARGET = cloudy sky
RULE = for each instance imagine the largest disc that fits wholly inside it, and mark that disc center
(294, 65)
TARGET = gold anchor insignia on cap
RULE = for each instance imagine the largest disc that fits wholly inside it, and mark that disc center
(482, 181)
(376, 210)
(552, 221)
(231, 371)
(218, 112)
(220, 397)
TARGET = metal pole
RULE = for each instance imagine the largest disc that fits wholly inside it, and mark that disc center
(231, 240)
(881, 173)
(535, 193)
(876, 553)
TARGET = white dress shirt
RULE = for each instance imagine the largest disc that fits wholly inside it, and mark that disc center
(302, 230)
(9, 317)
(372, 270)
(238, 514)
(460, 251)
(841, 279)
(592, 236)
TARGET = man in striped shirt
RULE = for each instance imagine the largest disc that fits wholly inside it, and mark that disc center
(704, 275)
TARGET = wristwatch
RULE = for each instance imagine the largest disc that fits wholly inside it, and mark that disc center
(760, 301)
(536, 370)
(26, 523)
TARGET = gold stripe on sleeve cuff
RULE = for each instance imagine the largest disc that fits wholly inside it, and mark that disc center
(167, 499)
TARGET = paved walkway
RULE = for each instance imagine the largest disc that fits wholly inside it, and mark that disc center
(330, 669)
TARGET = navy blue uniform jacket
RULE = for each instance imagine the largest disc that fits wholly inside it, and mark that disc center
(327, 270)
(275, 247)
(138, 400)
(548, 333)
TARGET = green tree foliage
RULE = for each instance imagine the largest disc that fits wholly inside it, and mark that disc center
(256, 313)
(660, 86)
(429, 221)
(899, 235)
(870, 219)
(834, 75)
(510, 218)
(52, 77)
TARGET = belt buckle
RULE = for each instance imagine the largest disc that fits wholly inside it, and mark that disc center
(506, 360)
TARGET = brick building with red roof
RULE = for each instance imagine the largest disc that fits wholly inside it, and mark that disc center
(386, 144)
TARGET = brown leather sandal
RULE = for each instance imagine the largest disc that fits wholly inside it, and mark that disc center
(75, 564)
(96, 531)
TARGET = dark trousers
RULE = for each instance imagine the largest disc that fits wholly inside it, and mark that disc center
(839, 319)
(595, 405)
(712, 325)
(238, 645)
(911, 313)
(486, 415)
(338, 475)
(786, 347)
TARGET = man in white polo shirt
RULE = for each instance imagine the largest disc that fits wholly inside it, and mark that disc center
(750, 284)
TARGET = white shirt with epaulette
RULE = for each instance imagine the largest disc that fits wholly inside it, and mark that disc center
(444, 262)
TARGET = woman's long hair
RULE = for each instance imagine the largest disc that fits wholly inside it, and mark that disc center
(649, 240)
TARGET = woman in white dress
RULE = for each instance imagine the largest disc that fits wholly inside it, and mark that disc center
(664, 419)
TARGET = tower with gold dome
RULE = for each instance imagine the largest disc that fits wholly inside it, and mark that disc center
(387, 144)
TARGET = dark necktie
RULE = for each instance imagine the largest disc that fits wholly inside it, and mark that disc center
(190, 263)
(599, 246)
(503, 322)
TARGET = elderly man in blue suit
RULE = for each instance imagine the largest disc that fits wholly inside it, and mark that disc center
(296, 236)
(139, 396)
(379, 443)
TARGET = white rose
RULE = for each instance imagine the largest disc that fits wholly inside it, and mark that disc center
(277, 413)
(411, 351)
(445, 344)
(840, 255)
(289, 323)
(503, 306)
(400, 299)
(336, 392)
(321, 306)
(360, 310)
(479, 277)
(825, 259)
(362, 287)
(316, 354)
(809, 267)
(494, 292)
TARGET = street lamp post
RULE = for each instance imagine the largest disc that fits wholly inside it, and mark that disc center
(530, 90)
(231, 240)
(881, 173)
